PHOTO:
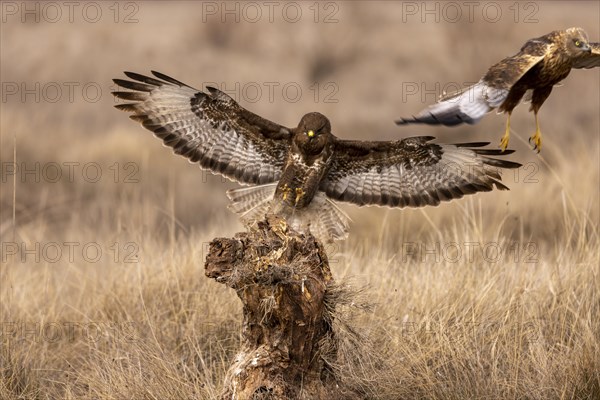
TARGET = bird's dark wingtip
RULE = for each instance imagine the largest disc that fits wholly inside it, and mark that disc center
(407, 121)
(500, 186)
(168, 79)
(130, 107)
(472, 144)
(135, 76)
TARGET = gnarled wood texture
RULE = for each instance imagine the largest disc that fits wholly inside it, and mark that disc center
(282, 278)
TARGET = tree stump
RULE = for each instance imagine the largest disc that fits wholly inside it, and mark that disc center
(281, 277)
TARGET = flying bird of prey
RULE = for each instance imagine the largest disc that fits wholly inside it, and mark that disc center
(532, 72)
(299, 172)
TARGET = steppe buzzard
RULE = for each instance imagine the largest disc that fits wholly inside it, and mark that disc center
(298, 172)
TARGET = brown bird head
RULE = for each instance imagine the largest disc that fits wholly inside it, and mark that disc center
(576, 42)
(313, 133)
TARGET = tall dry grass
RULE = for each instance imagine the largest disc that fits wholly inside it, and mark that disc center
(492, 296)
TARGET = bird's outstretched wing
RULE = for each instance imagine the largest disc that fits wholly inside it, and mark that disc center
(411, 172)
(589, 60)
(471, 104)
(208, 128)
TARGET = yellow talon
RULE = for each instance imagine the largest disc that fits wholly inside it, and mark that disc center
(286, 190)
(537, 141)
(506, 137)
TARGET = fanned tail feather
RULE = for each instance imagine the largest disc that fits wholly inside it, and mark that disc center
(466, 106)
(251, 203)
(322, 217)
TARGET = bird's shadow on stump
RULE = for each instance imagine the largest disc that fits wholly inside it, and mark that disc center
(288, 294)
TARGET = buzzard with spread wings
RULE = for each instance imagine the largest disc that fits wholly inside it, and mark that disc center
(532, 72)
(299, 172)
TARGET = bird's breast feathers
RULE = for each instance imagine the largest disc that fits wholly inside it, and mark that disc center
(306, 164)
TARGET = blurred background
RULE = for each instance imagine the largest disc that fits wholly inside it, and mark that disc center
(361, 64)
(76, 170)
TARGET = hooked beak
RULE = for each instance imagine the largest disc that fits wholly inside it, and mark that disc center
(586, 47)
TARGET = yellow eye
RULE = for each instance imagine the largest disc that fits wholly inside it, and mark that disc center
(577, 43)
(311, 133)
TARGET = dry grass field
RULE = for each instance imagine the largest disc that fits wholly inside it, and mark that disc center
(104, 231)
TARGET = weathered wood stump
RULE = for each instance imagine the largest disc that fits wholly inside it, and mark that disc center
(281, 277)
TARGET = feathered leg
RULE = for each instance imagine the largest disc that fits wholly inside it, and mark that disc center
(537, 99)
